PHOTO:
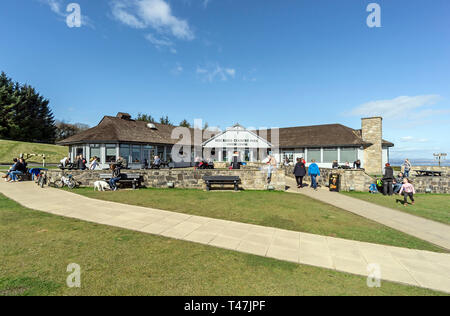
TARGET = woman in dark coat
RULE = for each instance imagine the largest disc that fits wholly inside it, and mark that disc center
(299, 172)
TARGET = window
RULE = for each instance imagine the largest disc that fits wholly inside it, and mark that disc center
(330, 154)
(314, 153)
(94, 150)
(124, 152)
(225, 155)
(110, 153)
(349, 154)
(136, 154)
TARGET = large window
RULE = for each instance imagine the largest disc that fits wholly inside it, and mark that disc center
(136, 153)
(94, 150)
(330, 154)
(124, 152)
(314, 153)
(349, 154)
(110, 153)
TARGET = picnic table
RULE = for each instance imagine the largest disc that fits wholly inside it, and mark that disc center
(429, 173)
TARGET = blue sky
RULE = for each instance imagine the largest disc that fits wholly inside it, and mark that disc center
(258, 63)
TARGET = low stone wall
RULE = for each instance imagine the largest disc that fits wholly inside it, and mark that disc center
(185, 178)
(435, 184)
(357, 180)
(445, 169)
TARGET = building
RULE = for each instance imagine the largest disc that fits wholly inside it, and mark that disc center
(138, 141)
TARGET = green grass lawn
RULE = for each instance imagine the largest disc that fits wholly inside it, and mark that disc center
(10, 149)
(275, 209)
(36, 249)
(432, 206)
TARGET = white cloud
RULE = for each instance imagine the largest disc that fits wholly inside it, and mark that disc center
(155, 14)
(161, 42)
(177, 70)
(398, 107)
(213, 72)
(411, 139)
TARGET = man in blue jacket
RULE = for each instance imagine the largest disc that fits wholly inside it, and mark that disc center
(314, 172)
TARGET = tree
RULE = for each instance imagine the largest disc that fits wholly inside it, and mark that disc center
(165, 120)
(185, 123)
(65, 130)
(145, 118)
(25, 114)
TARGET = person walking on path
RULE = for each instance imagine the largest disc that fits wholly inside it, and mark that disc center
(314, 172)
(299, 172)
(407, 190)
(407, 166)
(388, 180)
(115, 177)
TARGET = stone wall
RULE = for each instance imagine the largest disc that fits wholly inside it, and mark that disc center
(252, 179)
(372, 132)
(351, 179)
(446, 169)
(435, 184)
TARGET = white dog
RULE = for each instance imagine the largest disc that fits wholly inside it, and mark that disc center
(101, 186)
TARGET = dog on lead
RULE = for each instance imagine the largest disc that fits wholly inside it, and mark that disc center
(101, 186)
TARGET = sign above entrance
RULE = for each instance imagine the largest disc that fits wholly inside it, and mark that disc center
(237, 137)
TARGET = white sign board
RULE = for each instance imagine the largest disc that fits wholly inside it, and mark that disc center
(237, 139)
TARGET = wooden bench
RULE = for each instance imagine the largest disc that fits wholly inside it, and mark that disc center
(429, 173)
(134, 178)
(222, 180)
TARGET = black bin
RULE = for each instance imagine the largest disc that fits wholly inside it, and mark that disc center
(335, 182)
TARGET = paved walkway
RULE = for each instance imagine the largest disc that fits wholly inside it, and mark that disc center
(412, 267)
(428, 230)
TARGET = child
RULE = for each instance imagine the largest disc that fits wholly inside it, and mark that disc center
(407, 190)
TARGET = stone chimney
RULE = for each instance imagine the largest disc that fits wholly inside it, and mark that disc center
(372, 132)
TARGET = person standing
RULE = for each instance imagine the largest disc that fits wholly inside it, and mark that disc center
(271, 165)
(115, 177)
(299, 172)
(407, 168)
(314, 172)
(388, 180)
(407, 190)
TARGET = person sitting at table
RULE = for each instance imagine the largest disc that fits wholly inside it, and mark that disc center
(335, 165)
(156, 162)
(357, 164)
(398, 182)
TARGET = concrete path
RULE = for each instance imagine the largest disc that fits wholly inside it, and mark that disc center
(412, 267)
(428, 230)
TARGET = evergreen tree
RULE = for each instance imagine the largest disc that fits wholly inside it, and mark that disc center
(145, 118)
(165, 120)
(185, 123)
(25, 114)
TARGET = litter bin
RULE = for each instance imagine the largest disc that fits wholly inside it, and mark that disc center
(335, 182)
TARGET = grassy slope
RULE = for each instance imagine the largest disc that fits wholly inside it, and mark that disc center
(37, 247)
(274, 209)
(432, 206)
(10, 149)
